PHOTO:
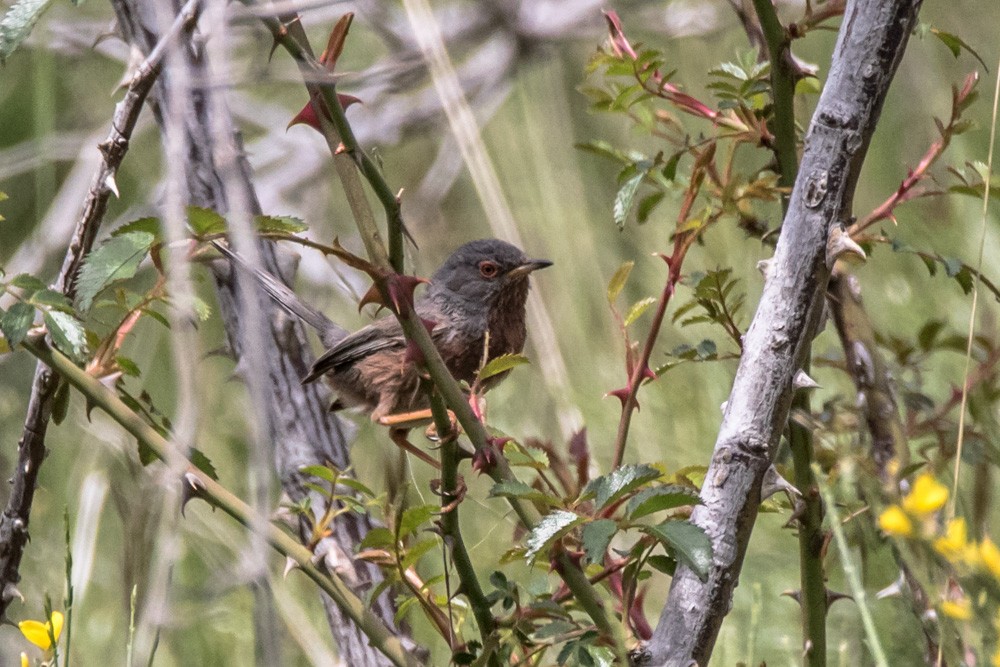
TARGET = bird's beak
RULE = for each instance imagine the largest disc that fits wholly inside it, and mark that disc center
(528, 267)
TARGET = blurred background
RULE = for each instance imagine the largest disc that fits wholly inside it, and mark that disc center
(521, 66)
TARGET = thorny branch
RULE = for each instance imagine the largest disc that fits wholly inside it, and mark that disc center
(31, 447)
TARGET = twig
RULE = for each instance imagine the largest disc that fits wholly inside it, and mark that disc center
(31, 447)
(202, 486)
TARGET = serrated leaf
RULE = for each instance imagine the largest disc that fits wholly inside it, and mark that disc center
(204, 464)
(548, 530)
(127, 366)
(687, 542)
(625, 198)
(149, 225)
(355, 485)
(28, 284)
(414, 517)
(660, 498)
(377, 538)
(518, 489)
(955, 44)
(116, 259)
(414, 553)
(662, 563)
(15, 323)
(618, 280)
(205, 221)
(17, 24)
(609, 488)
(637, 309)
(279, 224)
(596, 537)
(67, 333)
(501, 364)
(553, 629)
(49, 298)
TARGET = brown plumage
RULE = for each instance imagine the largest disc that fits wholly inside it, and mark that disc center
(482, 287)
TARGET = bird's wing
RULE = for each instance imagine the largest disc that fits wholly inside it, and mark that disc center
(383, 334)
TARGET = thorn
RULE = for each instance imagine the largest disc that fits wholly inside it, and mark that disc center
(895, 589)
(803, 381)
(290, 564)
(621, 395)
(723, 406)
(833, 596)
(111, 184)
(774, 483)
(794, 594)
(399, 195)
(341, 149)
(10, 591)
(840, 243)
(191, 488)
(764, 266)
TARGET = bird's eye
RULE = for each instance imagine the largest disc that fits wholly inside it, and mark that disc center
(488, 269)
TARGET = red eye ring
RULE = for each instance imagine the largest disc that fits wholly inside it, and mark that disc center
(488, 269)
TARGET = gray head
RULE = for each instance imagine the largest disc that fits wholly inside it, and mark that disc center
(480, 271)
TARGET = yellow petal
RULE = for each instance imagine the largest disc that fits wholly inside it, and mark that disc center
(57, 624)
(960, 610)
(952, 545)
(37, 633)
(24, 660)
(895, 522)
(989, 554)
(926, 497)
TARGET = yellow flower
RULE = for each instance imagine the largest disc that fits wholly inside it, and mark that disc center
(953, 544)
(926, 497)
(41, 634)
(960, 610)
(895, 522)
(989, 554)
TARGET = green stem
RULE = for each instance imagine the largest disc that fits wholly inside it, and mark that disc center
(341, 141)
(450, 528)
(812, 582)
(851, 573)
(218, 496)
(782, 95)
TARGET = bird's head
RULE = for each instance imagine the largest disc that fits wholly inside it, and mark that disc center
(485, 271)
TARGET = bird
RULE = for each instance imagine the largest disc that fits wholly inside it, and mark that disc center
(475, 306)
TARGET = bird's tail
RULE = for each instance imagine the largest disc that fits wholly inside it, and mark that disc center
(329, 331)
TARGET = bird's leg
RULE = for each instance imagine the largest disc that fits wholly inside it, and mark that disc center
(408, 420)
(398, 436)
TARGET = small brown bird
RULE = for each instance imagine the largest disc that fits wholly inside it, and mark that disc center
(480, 290)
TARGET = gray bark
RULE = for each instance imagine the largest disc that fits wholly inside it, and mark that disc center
(302, 429)
(871, 42)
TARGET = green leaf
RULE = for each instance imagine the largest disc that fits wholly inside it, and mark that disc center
(205, 221)
(116, 259)
(414, 553)
(518, 489)
(321, 472)
(596, 537)
(548, 530)
(647, 204)
(617, 282)
(377, 538)
(149, 225)
(687, 542)
(67, 333)
(501, 364)
(606, 489)
(637, 309)
(664, 564)
(553, 629)
(279, 224)
(660, 498)
(28, 284)
(17, 24)
(60, 404)
(127, 366)
(955, 44)
(355, 485)
(414, 517)
(49, 298)
(15, 323)
(625, 198)
(204, 464)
